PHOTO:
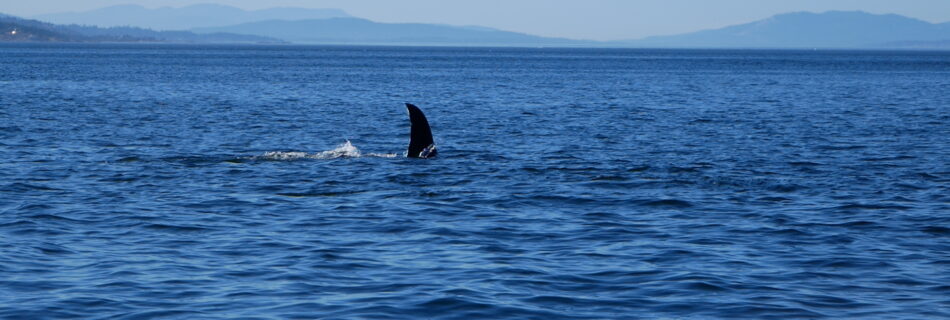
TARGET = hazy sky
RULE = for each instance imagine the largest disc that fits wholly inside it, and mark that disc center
(579, 19)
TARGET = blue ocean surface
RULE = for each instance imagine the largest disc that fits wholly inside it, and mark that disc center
(269, 182)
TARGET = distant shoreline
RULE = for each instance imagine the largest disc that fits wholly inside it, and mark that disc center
(336, 45)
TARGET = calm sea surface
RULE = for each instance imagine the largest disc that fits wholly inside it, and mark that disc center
(147, 182)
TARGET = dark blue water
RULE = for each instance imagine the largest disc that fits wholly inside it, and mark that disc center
(145, 182)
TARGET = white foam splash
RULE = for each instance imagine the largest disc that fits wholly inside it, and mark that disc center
(381, 155)
(280, 155)
(345, 150)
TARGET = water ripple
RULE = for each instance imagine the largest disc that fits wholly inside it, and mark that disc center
(184, 182)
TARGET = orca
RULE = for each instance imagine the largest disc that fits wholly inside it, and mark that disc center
(421, 144)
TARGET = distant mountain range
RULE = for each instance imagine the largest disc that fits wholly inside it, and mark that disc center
(184, 18)
(834, 29)
(361, 31)
(217, 23)
(25, 30)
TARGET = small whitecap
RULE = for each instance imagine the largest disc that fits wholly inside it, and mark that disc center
(345, 150)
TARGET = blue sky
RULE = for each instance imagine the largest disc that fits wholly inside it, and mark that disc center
(579, 19)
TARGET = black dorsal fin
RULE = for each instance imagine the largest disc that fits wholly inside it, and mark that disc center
(421, 144)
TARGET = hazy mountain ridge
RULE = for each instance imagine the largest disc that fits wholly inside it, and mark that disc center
(362, 31)
(184, 18)
(18, 29)
(833, 29)
(309, 26)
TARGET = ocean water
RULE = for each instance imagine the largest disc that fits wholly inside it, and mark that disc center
(224, 182)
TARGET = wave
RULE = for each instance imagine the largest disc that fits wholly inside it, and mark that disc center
(345, 150)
